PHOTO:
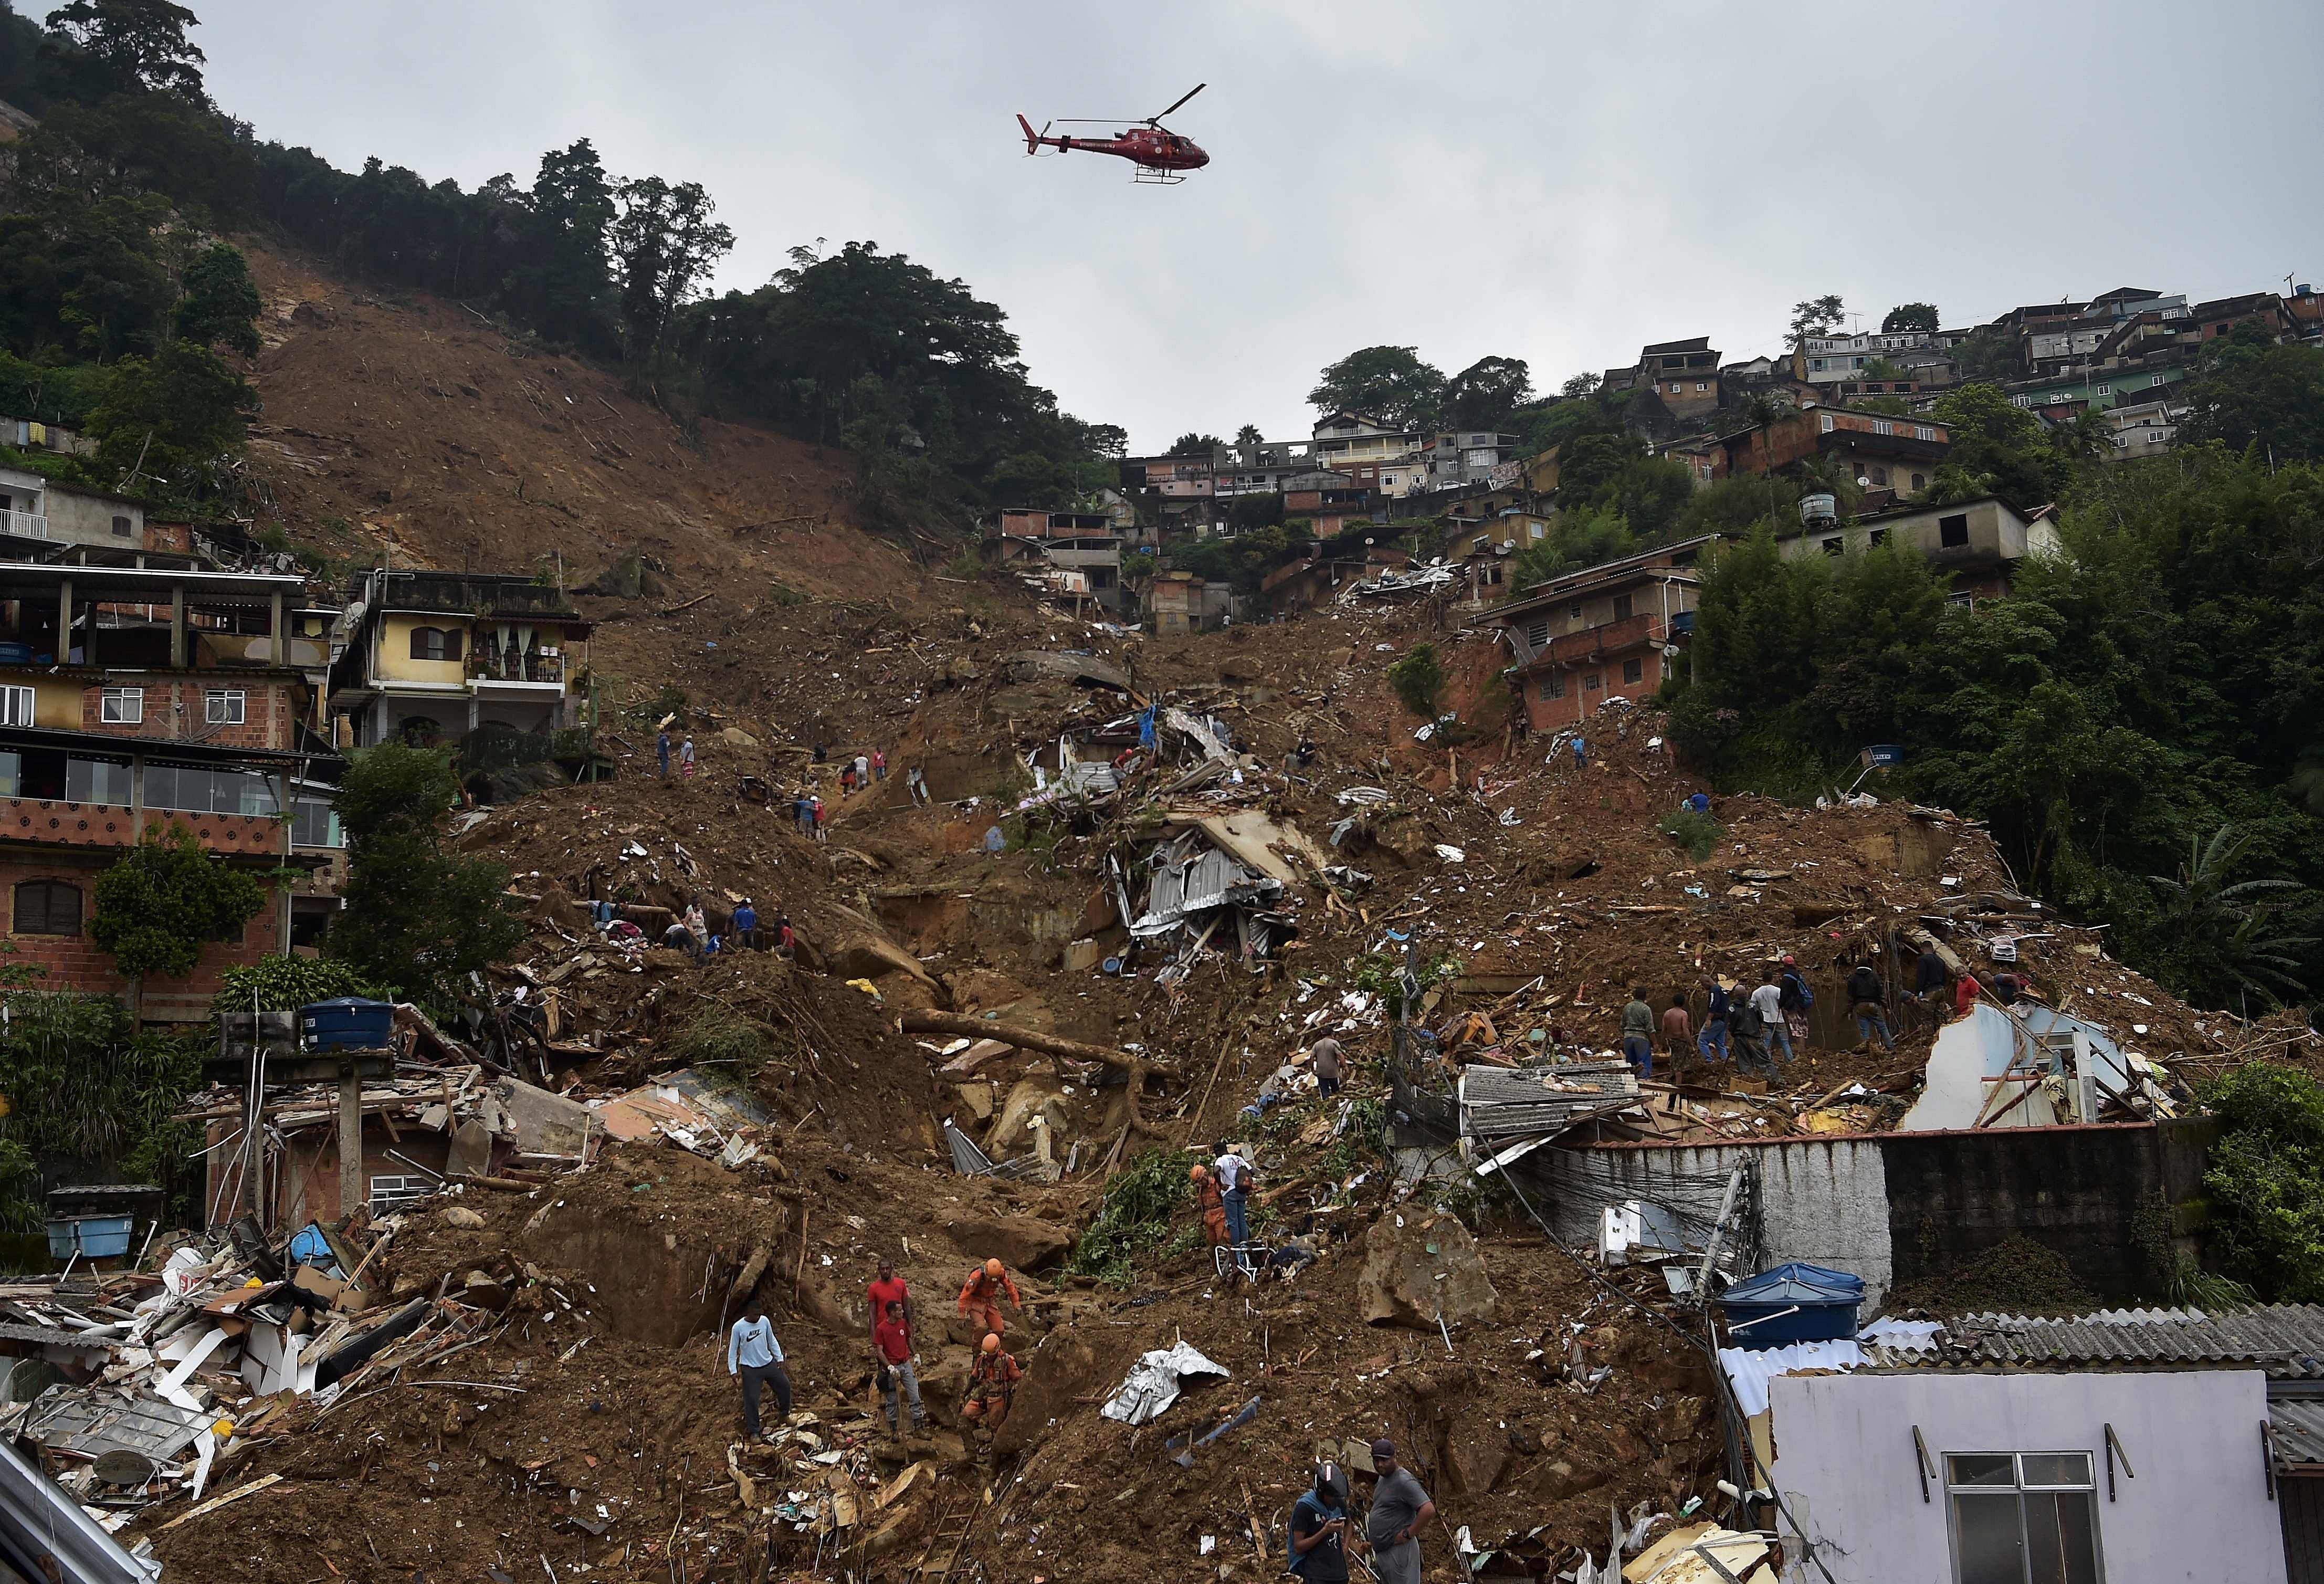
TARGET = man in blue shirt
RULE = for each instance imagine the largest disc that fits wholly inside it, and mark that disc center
(753, 1353)
(746, 927)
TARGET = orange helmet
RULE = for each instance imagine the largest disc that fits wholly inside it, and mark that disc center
(992, 1344)
(1195, 1174)
(992, 1268)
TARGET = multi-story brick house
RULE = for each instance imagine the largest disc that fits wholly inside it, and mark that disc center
(430, 656)
(134, 699)
(1600, 632)
(1898, 455)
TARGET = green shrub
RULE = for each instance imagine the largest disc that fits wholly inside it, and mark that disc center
(1145, 1206)
(1419, 681)
(1699, 834)
(285, 984)
(2265, 1181)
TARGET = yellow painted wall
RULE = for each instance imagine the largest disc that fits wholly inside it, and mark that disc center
(395, 661)
(56, 700)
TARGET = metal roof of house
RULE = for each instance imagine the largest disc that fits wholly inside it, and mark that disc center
(1499, 1105)
(2298, 1423)
(2286, 1339)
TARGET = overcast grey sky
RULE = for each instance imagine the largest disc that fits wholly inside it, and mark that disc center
(1561, 183)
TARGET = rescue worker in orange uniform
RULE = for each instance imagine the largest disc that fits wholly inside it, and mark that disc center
(1211, 1204)
(992, 1386)
(980, 1295)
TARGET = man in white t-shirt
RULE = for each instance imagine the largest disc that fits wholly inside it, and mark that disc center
(1768, 1000)
(1234, 1174)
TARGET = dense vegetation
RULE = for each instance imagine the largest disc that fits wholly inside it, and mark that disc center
(2143, 722)
(114, 293)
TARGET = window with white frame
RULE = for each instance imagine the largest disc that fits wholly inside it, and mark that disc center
(2022, 1517)
(223, 707)
(122, 706)
(386, 1193)
(18, 706)
(1924, 432)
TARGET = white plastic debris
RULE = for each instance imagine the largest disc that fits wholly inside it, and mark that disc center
(1450, 854)
(1152, 1385)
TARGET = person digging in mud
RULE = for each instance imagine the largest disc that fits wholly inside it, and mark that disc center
(1399, 1507)
(753, 1354)
(992, 1386)
(1211, 1204)
(892, 1352)
(980, 1295)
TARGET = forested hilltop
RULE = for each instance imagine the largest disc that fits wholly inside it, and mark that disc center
(121, 304)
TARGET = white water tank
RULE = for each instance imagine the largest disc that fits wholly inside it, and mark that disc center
(1818, 508)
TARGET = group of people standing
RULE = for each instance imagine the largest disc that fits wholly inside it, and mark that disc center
(1758, 1028)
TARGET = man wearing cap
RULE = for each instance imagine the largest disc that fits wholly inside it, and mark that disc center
(1399, 1507)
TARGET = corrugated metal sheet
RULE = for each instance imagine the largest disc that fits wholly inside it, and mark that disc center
(1197, 884)
(1506, 1104)
(2286, 1339)
(2299, 1425)
(1751, 1368)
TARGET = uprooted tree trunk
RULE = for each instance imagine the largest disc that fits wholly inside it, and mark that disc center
(1135, 1069)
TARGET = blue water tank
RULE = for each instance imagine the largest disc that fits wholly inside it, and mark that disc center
(346, 1023)
(1795, 1303)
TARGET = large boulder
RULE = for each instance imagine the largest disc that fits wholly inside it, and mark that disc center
(1021, 1242)
(1419, 1267)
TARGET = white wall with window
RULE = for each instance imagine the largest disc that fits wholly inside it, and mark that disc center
(2021, 1484)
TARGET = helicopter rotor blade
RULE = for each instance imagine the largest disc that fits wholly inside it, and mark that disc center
(1189, 94)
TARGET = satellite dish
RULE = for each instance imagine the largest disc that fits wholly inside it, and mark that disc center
(1862, 482)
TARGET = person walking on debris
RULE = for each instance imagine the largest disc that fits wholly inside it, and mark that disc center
(1768, 1000)
(685, 757)
(1792, 992)
(1399, 1507)
(1866, 995)
(887, 1287)
(803, 815)
(1638, 1033)
(1748, 1024)
(846, 779)
(891, 1351)
(1319, 1529)
(746, 927)
(1929, 977)
(753, 1353)
(992, 1386)
(696, 927)
(1713, 1037)
(863, 771)
(820, 833)
(786, 943)
(879, 764)
(1323, 1056)
(1234, 1191)
(1211, 1205)
(662, 750)
(1678, 1031)
(980, 1295)
(1580, 753)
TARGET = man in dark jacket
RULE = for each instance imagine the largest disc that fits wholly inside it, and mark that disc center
(1712, 1041)
(1319, 1530)
(1866, 994)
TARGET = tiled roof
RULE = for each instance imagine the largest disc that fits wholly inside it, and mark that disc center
(2286, 1339)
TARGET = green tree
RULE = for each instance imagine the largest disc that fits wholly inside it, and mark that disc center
(1998, 448)
(220, 306)
(2247, 390)
(1485, 394)
(561, 279)
(1651, 494)
(1390, 383)
(1248, 437)
(1587, 536)
(2264, 1179)
(1193, 445)
(1579, 386)
(2226, 941)
(415, 916)
(1419, 681)
(165, 899)
(1818, 316)
(664, 244)
(171, 420)
(1911, 316)
(130, 46)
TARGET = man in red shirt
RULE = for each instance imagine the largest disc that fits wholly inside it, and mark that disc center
(1965, 991)
(892, 1351)
(888, 1289)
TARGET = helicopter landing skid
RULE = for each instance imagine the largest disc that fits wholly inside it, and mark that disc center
(1156, 177)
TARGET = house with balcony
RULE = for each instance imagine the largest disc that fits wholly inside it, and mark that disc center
(137, 698)
(439, 657)
(1327, 501)
(1610, 631)
(38, 515)
(1898, 455)
(1978, 544)
(1373, 454)
(1683, 374)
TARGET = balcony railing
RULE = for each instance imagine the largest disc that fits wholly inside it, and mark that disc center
(27, 524)
(486, 665)
(1629, 631)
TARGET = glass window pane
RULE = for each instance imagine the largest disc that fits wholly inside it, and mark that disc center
(161, 785)
(1980, 1469)
(2060, 1537)
(12, 773)
(2054, 1468)
(1987, 1540)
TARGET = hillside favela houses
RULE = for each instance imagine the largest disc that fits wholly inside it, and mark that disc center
(137, 698)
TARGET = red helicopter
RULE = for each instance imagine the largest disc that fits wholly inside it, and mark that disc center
(1160, 154)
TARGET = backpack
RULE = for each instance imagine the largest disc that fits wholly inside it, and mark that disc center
(1746, 1021)
(1796, 989)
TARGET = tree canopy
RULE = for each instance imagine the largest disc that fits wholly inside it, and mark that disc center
(1920, 317)
(1390, 383)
